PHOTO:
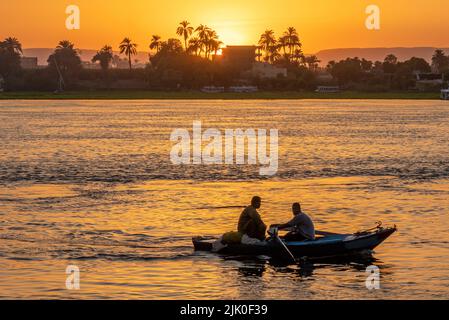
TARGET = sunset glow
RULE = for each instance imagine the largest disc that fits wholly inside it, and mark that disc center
(321, 24)
(232, 159)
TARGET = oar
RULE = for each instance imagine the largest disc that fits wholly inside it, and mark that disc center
(284, 246)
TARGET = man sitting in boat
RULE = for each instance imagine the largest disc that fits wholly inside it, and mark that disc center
(301, 226)
(250, 222)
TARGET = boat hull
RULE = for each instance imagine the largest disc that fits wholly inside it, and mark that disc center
(329, 246)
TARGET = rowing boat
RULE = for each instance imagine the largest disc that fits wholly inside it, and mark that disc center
(326, 246)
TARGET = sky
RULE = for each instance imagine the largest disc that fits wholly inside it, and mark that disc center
(321, 24)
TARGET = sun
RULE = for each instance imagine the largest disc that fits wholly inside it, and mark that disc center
(231, 35)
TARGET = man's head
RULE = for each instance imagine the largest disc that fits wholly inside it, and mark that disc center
(296, 208)
(256, 202)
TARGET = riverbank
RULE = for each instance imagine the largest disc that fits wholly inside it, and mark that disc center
(186, 95)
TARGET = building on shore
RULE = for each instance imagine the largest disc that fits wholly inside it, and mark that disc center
(28, 62)
(124, 64)
(428, 81)
(239, 57)
(265, 70)
(90, 65)
(243, 59)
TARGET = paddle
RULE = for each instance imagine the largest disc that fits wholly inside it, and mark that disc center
(283, 245)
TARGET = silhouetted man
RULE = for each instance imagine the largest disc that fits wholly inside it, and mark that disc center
(250, 222)
(301, 225)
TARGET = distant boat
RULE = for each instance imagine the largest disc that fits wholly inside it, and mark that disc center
(243, 89)
(445, 94)
(327, 89)
(212, 89)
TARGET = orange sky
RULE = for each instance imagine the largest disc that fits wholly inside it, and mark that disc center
(322, 24)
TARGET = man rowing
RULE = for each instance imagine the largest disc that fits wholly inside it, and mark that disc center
(301, 227)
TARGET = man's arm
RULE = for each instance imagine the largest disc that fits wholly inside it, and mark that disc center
(255, 216)
(281, 226)
(292, 223)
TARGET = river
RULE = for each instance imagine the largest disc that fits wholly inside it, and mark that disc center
(90, 184)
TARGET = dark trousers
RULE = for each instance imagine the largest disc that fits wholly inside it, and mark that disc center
(256, 231)
(294, 236)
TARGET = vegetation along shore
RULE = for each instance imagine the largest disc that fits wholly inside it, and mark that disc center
(180, 95)
(196, 60)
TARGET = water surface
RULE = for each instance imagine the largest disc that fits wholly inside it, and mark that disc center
(90, 183)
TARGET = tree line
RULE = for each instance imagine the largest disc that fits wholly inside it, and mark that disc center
(204, 42)
(387, 74)
(189, 62)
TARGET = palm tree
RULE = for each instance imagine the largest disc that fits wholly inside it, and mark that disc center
(104, 56)
(184, 30)
(312, 62)
(283, 44)
(10, 52)
(267, 41)
(258, 53)
(129, 48)
(203, 33)
(274, 54)
(215, 46)
(292, 39)
(298, 56)
(194, 46)
(212, 43)
(65, 44)
(156, 43)
(66, 62)
(440, 62)
(12, 45)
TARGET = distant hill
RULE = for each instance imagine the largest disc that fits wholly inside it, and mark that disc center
(376, 54)
(42, 54)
